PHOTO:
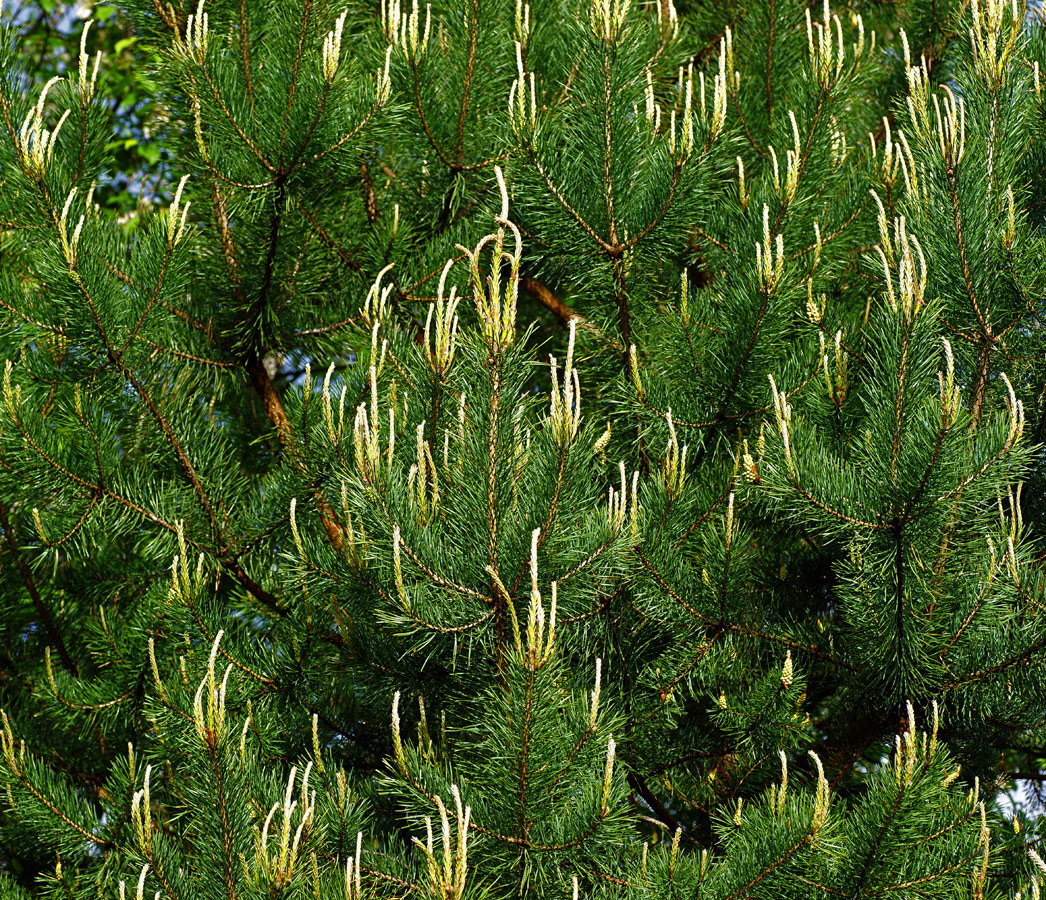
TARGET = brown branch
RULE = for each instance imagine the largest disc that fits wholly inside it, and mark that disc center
(987, 340)
(769, 68)
(246, 55)
(564, 312)
(524, 755)
(636, 782)
(266, 390)
(227, 836)
(439, 580)
(873, 851)
(781, 860)
(440, 152)
(470, 69)
(342, 254)
(231, 119)
(48, 622)
(296, 74)
(555, 191)
(745, 630)
(169, 18)
(56, 812)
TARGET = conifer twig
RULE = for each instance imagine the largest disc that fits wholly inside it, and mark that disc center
(563, 311)
(46, 619)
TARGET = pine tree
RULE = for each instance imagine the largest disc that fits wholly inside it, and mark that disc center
(559, 449)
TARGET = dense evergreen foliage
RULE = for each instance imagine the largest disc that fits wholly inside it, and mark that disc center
(523, 450)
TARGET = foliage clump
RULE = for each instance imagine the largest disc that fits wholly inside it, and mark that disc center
(563, 449)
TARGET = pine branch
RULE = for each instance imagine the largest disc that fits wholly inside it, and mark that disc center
(42, 611)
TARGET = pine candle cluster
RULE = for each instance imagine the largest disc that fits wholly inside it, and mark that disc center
(561, 449)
